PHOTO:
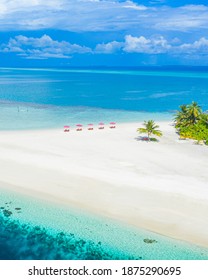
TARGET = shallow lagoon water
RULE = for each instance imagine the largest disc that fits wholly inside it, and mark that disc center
(20, 116)
(37, 229)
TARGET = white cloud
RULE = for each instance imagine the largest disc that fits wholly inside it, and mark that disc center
(155, 45)
(72, 15)
(194, 8)
(42, 48)
(110, 47)
(45, 47)
(132, 5)
(182, 18)
(198, 47)
(8, 6)
(142, 45)
(98, 15)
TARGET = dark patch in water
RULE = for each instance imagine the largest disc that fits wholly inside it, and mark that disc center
(150, 241)
(20, 241)
(17, 208)
(7, 213)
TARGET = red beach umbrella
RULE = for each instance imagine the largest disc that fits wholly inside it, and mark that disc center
(79, 127)
(66, 128)
(101, 125)
(112, 125)
(90, 126)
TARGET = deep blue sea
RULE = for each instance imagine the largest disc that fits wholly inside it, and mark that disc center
(51, 98)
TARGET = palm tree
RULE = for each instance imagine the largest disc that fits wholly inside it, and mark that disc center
(194, 111)
(204, 118)
(181, 117)
(188, 115)
(150, 128)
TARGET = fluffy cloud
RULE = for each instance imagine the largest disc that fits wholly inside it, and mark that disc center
(109, 47)
(142, 45)
(42, 48)
(45, 47)
(131, 44)
(154, 45)
(200, 47)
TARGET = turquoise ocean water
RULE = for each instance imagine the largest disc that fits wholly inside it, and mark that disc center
(32, 98)
(51, 98)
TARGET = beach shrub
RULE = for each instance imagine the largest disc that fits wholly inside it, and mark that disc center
(192, 123)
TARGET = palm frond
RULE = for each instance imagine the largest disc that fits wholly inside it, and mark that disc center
(150, 127)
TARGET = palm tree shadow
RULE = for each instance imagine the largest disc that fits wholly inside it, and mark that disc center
(142, 138)
(146, 139)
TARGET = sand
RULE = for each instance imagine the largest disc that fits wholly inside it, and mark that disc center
(162, 187)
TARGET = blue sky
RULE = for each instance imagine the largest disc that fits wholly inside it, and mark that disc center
(103, 32)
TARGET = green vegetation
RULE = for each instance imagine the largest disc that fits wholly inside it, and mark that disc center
(150, 128)
(192, 123)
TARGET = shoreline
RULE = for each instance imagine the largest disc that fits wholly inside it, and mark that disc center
(159, 187)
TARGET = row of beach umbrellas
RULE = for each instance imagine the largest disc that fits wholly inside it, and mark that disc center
(90, 126)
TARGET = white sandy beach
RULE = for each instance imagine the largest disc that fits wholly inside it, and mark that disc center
(162, 187)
